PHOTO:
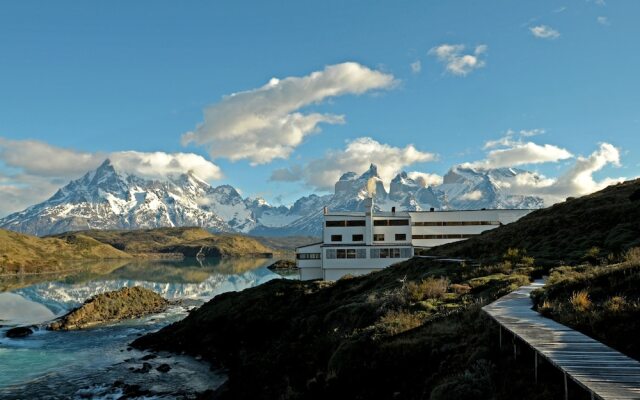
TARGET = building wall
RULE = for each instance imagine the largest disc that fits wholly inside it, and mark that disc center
(335, 274)
(362, 263)
(476, 222)
(309, 268)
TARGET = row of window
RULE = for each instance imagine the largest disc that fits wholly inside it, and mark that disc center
(448, 236)
(308, 256)
(343, 223)
(361, 222)
(377, 237)
(455, 223)
(390, 252)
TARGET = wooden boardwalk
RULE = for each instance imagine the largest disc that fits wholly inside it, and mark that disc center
(606, 373)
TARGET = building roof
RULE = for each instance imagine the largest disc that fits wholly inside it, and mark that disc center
(309, 245)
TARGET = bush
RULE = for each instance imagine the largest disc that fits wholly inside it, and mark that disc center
(592, 255)
(580, 301)
(430, 288)
(513, 255)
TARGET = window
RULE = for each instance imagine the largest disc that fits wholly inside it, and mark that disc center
(392, 252)
(336, 238)
(345, 253)
(356, 222)
(308, 256)
(378, 237)
(401, 236)
(357, 238)
(447, 236)
(391, 222)
(333, 224)
(455, 223)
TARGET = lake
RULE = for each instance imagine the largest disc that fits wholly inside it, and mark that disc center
(97, 362)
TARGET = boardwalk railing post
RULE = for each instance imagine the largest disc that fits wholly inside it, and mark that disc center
(500, 330)
(536, 364)
(566, 388)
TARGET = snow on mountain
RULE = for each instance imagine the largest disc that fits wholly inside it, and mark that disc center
(109, 199)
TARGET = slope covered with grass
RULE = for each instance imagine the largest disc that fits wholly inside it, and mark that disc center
(30, 254)
(566, 232)
(186, 241)
(602, 301)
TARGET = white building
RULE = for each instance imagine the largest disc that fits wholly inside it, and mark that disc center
(357, 243)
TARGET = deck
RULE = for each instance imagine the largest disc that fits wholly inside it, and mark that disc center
(604, 372)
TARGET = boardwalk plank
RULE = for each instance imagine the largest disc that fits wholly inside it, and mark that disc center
(605, 372)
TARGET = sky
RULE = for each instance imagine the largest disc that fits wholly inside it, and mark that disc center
(280, 98)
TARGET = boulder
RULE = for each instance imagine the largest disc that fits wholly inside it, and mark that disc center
(19, 332)
(125, 303)
(283, 265)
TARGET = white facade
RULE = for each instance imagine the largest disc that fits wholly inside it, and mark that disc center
(357, 243)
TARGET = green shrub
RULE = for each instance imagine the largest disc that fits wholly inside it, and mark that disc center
(632, 255)
(395, 322)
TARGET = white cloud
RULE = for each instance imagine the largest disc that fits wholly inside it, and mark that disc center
(603, 21)
(359, 153)
(510, 151)
(544, 32)
(159, 165)
(265, 123)
(416, 66)
(425, 179)
(39, 158)
(473, 196)
(578, 180)
(455, 61)
(35, 169)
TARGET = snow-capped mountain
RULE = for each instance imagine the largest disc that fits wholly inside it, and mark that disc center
(110, 199)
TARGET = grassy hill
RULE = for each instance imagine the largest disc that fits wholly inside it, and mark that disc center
(30, 254)
(601, 224)
(187, 241)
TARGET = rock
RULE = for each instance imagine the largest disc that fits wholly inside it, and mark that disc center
(164, 368)
(283, 265)
(149, 357)
(113, 306)
(146, 367)
(19, 332)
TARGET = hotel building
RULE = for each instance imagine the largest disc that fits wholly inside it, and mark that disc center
(357, 243)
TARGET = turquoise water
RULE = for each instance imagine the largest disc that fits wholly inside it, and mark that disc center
(87, 363)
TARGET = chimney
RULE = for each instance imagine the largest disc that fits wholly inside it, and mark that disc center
(393, 210)
(432, 209)
(368, 230)
(325, 210)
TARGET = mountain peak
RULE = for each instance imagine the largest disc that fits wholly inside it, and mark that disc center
(372, 172)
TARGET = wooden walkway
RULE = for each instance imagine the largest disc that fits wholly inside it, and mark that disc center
(606, 373)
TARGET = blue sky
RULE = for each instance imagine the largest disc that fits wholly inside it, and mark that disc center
(98, 77)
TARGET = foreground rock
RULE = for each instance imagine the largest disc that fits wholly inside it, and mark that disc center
(113, 306)
(19, 332)
(283, 265)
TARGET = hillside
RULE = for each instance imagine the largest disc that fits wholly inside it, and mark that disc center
(30, 254)
(186, 241)
(606, 220)
(411, 331)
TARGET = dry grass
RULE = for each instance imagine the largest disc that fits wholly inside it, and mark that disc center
(395, 322)
(615, 304)
(430, 288)
(580, 301)
(632, 255)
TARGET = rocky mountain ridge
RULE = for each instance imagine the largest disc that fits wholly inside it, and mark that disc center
(109, 199)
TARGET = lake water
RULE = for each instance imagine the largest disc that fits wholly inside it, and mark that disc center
(86, 364)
